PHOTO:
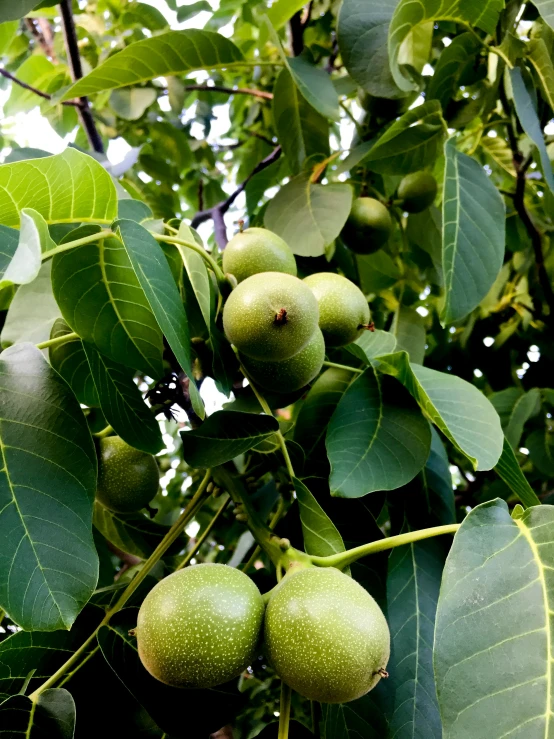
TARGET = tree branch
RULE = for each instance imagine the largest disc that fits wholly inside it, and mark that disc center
(218, 211)
(40, 93)
(231, 90)
(74, 59)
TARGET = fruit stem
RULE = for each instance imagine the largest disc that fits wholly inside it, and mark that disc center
(58, 340)
(204, 536)
(222, 280)
(172, 535)
(284, 712)
(343, 559)
(105, 432)
(342, 366)
(78, 242)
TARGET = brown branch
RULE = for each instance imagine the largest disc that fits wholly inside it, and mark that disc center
(74, 59)
(231, 90)
(218, 211)
(25, 86)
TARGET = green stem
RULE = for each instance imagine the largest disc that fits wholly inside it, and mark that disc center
(68, 677)
(343, 559)
(2, 614)
(58, 340)
(205, 535)
(172, 535)
(343, 367)
(78, 242)
(284, 712)
(198, 249)
(105, 432)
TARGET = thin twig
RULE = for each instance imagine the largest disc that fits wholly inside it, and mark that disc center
(231, 90)
(45, 95)
(218, 211)
(74, 59)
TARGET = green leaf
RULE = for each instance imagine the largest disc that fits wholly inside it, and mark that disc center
(170, 53)
(9, 239)
(408, 15)
(132, 532)
(377, 438)
(122, 403)
(546, 9)
(282, 10)
(11, 11)
(498, 149)
(65, 187)
(463, 414)
(356, 156)
(530, 122)
(34, 239)
(101, 298)
(33, 311)
(515, 409)
(377, 271)
(51, 717)
(450, 66)
(8, 31)
(70, 361)
(312, 82)
(371, 344)
(184, 12)
(412, 142)
(155, 277)
(48, 559)
(474, 228)
(315, 413)
(41, 74)
(309, 217)
(197, 273)
(494, 629)
(539, 53)
(211, 708)
(321, 536)
(133, 210)
(409, 330)
(131, 104)
(509, 470)
(413, 585)
(540, 444)
(301, 130)
(224, 435)
(438, 483)
(362, 35)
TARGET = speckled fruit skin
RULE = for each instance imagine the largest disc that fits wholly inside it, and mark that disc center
(128, 479)
(257, 250)
(290, 374)
(417, 191)
(200, 626)
(251, 316)
(342, 307)
(368, 227)
(326, 636)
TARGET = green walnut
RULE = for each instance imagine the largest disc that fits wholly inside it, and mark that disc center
(270, 316)
(417, 192)
(326, 636)
(343, 308)
(290, 374)
(368, 226)
(128, 479)
(200, 626)
(257, 250)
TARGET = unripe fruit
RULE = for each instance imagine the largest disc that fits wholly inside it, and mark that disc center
(270, 316)
(343, 309)
(417, 192)
(257, 250)
(200, 626)
(326, 636)
(128, 479)
(290, 374)
(368, 227)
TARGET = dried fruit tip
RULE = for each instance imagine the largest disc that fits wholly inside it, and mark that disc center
(281, 317)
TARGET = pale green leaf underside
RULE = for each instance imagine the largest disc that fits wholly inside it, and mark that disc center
(411, 13)
(321, 536)
(539, 54)
(546, 9)
(509, 470)
(51, 717)
(66, 187)
(48, 561)
(493, 640)
(371, 344)
(474, 227)
(457, 408)
(171, 53)
(70, 361)
(308, 217)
